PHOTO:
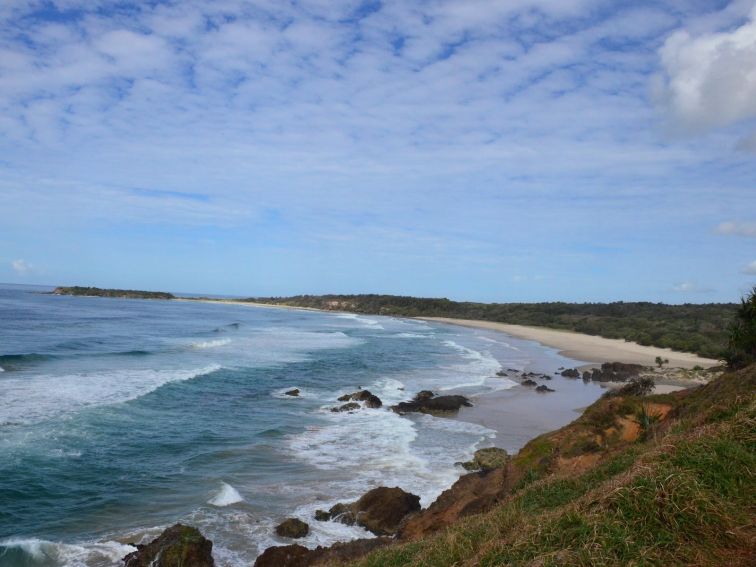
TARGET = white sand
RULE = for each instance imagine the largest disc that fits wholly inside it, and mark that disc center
(588, 347)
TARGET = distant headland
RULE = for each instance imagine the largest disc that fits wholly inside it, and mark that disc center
(123, 293)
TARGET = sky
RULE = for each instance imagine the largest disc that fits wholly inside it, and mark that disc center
(490, 150)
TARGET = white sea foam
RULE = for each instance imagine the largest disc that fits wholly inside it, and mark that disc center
(68, 555)
(479, 369)
(374, 323)
(414, 335)
(502, 343)
(211, 344)
(2, 369)
(226, 496)
(37, 398)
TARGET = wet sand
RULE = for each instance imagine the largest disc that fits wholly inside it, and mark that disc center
(588, 348)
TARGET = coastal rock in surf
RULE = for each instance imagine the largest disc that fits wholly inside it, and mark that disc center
(177, 546)
(351, 406)
(543, 388)
(571, 373)
(529, 382)
(366, 396)
(380, 510)
(293, 528)
(427, 402)
(294, 392)
(487, 459)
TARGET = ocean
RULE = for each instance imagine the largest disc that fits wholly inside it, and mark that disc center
(121, 417)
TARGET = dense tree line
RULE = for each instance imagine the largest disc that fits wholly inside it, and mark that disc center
(123, 293)
(698, 328)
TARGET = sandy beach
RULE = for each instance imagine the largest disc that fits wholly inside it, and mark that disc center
(588, 348)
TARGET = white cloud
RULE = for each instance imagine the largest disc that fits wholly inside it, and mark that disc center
(738, 228)
(21, 267)
(750, 269)
(710, 78)
(690, 287)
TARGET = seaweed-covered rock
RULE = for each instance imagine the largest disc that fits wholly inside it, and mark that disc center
(487, 459)
(177, 546)
(293, 528)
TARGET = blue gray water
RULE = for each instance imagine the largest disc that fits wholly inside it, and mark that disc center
(120, 417)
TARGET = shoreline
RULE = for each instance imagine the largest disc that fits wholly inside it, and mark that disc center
(592, 349)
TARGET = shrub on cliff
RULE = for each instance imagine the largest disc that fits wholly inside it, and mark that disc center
(741, 348)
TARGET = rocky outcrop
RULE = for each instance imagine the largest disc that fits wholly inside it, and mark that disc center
(380, 510)
(615, 372)
(298, 556)
(177, 546)
(571, 373)
(369, 399)
(293, 528)
(294, 392)
(472, 494)
(487, 459)
(351, 406)
(543, 388)
(530, 383)
(427, 402)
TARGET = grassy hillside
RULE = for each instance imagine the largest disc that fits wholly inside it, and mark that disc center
(701, 329)
(662, 480)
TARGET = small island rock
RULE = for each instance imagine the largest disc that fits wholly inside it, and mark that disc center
(177, 546)
(294, 392)
(293, 528)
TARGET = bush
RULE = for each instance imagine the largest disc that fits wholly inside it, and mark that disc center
(741, 348)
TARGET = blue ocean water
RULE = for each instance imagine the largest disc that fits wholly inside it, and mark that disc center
(121, 417)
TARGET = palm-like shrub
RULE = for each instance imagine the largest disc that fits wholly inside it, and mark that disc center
(741, 349)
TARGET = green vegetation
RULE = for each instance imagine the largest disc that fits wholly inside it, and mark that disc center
(124, 293)
(741, 349)
(701, 329)
(684, 497)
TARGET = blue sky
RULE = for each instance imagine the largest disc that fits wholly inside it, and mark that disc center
(499, 150)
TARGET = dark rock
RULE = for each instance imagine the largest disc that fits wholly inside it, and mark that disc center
(426, 402)
(294, 392)
(424, 395)
(501, 373)
(371, 400)
(382, 509)
(351, 406)
(177, 546)
(285, 556)
(529, 382)
(543, 388)
(322, 516)
(571, 373)
(615, 372)
(298, 556)
(586, 376)
(342, 513)
(546, 377)
(487, 459)
(293, 528)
